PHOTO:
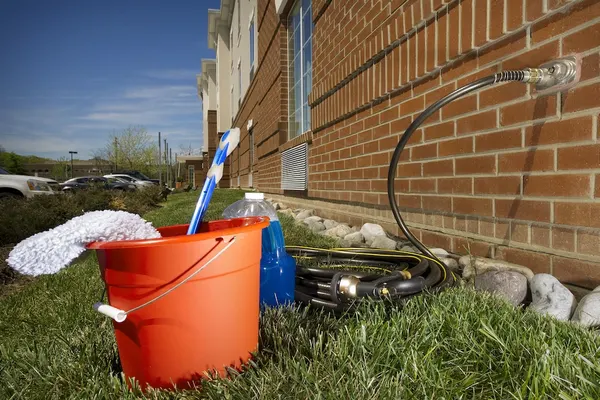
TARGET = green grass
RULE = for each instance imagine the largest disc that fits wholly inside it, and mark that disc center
(456, 345)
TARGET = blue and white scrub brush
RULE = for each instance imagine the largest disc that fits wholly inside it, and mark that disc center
(229, 141)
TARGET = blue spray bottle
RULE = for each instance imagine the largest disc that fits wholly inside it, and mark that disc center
(278, 268)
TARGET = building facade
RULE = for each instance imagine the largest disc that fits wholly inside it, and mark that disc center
(61, 171)
(323, 90)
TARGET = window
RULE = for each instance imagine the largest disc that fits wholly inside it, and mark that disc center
(251, 29)
(251, 138)
(231, 97)
(239, 30)
(300, 67)
(239, 82)
(232, 109)
(191, 176)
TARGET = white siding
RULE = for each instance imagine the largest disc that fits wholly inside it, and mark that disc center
(224, 81)
(240, 48)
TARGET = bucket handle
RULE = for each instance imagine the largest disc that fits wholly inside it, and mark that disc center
(120, 315)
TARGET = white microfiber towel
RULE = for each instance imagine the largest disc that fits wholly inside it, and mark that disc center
(50, 251)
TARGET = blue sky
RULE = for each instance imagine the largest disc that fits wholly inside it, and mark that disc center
(73, 72)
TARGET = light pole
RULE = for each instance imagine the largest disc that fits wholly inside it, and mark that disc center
(71, 153)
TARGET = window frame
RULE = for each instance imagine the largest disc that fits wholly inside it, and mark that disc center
(239, 77)
(192, 175)
(251, 148)
(232, 103)
(292, 53)
(252, 43)
(239, 23)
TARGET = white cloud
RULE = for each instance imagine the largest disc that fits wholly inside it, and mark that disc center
(172, 74)
(48, 144)
(174, 110)
(159, 92)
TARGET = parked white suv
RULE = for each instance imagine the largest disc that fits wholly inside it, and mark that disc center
(25, 186)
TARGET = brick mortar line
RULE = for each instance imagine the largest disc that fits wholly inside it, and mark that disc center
(418, 80)
(375, 58)
(268, 136)
(569, 115)
(322, 11)
(474, 153)
(506, 104)
(446, 231)
(526, 124)
(483, 196)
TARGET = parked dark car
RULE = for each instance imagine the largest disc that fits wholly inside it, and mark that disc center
(136, 174)
(85, 182)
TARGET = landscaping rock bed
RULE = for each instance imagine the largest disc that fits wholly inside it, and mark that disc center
(517, 284)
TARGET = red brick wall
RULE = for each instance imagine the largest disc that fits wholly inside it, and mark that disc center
(516, 171)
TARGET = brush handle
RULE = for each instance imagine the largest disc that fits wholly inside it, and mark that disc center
(229, 141)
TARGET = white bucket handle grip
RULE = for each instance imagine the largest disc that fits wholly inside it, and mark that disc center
(120, 315)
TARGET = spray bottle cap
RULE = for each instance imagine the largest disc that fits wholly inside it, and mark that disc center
(254, 196)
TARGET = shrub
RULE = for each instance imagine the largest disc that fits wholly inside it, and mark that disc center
(142, 201)
(21, 219)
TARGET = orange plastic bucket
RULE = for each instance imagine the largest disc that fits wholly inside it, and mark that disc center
(208, 323)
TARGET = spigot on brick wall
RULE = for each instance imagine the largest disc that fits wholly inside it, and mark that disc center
(556, 75)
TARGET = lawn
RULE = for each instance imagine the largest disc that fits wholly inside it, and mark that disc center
(457, 344)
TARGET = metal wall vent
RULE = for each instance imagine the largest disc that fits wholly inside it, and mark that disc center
(294, 168)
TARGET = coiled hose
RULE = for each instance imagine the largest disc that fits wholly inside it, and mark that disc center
(335, 278)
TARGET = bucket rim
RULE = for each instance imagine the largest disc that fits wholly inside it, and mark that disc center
(256, 223)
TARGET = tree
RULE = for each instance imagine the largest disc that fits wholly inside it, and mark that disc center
(13, 163)
(60, 169)
(185, 150)
(2, 156)
(133, 148)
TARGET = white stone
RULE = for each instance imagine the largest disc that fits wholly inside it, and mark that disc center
(282, 206)
(587, 312)
(276, 206)
(355, 238)
(409, 249)
(330, 233)
(329, 223)
(287, 211)
(371, 231)
(344, 244)
(439, 252)
(510, 285)
(473, 265)
(315, 226)
(303, 214)
(314, 218)
(451, 263)
(339, 231)
(550, 297)
(383, 242)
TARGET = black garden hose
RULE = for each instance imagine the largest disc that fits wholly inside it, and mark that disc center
(351, 274)
(393, 274)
